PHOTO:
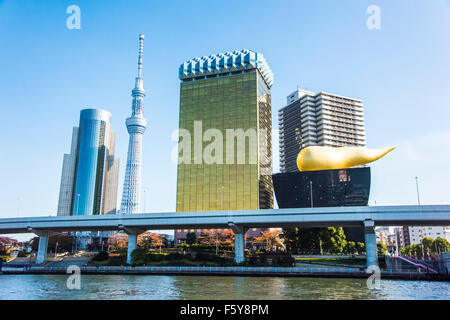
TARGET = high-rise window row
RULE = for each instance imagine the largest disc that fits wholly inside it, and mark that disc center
(322, 119)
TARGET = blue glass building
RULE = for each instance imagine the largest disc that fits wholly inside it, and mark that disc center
(90, 171)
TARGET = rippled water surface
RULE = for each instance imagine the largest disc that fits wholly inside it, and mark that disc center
(206, 287)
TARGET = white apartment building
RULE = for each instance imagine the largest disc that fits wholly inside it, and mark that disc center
(322, 119)
(417, 234)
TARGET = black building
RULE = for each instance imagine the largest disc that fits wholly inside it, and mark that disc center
(329, 188)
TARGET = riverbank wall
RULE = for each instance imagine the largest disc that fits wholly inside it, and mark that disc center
(233, 271)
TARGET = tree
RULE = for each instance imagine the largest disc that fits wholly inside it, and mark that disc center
(117, 241)
(218, 238)
(148, 240)
(302, 240)
(270, 239)
(34, 243)
(138, 256)
(360, 247)
(417, 250)
(350, 248)
(333, 240)
(191, 238)
(412, 250)
(184, 246)
(6, 243)
(381, 249)
(291, 237)
(166, 242)
(441, 244)
(315, 240)
(428, 245)
(64, 240)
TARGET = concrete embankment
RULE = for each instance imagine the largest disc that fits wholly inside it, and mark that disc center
(232, 271)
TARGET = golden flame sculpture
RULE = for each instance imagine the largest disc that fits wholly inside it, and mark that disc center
(327, 158)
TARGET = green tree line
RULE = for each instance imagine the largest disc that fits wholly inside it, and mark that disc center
(319, 241)
(430, 246)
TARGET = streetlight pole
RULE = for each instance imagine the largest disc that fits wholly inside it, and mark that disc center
(311, 192)
(221, 197)
(144, 201)
(217, 242)
(417, 188)
(396, 245)
(221, 208)
(78, 201)
(76, 238)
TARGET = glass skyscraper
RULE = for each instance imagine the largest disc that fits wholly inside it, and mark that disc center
(90, 171)
(227, 95)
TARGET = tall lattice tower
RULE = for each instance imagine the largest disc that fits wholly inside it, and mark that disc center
(136, 125)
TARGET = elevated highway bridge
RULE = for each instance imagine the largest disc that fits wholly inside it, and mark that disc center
(239, 221)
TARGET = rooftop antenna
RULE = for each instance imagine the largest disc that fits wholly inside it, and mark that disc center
(141, 52)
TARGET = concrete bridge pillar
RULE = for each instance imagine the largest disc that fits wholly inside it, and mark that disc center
(132, 244)
(371, 243)
(42, 249)
(239, 243)
(133, 234)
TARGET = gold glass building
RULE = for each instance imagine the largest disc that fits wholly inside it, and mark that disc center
(225, 100)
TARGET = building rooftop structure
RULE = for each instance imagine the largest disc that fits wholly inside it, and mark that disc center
(226, 63)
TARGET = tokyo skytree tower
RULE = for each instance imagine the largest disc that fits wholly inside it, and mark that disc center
(136, 125)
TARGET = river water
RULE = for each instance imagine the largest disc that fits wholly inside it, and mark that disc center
(213, 287)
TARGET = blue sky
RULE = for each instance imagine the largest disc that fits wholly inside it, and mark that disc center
(48, 73)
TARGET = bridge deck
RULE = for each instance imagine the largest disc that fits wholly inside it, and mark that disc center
(432, 215)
